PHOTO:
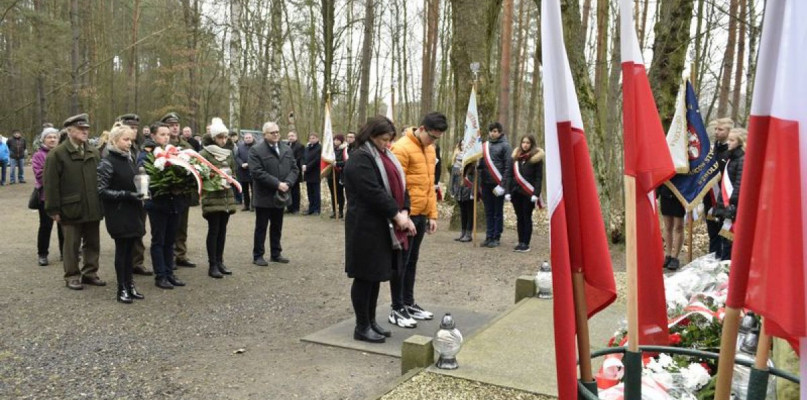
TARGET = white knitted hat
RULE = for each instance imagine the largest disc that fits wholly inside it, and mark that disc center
(217, 127)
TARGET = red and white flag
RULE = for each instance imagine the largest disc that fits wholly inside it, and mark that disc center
(647, 158)
(328, 155)
(768, 272)
(577, 232)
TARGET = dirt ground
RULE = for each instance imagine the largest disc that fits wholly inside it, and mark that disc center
(59, 343)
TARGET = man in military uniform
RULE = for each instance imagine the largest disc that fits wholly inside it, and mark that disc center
(71, 199)
(133, 121)
(181, 244)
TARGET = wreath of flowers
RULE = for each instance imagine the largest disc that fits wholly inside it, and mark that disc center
(173, 170)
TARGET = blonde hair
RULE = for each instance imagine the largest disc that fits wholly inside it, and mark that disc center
(742, 135)
(724, 121)
(118, 130)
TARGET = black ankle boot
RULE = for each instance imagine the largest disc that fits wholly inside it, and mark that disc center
(367, 334)
(123, 295)
(133, 293)
(462, 235)
(213, 271)
(223, 269)
(379, 329)
(466, 237)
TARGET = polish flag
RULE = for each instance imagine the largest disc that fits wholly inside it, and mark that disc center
(768, 273)
(577, 231)
(328, 155)
(647, 158)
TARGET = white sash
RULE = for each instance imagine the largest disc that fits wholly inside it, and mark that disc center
(494, 172)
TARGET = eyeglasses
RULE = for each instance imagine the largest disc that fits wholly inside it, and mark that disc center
(433, 136)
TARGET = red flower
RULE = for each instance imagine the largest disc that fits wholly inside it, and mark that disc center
(675, 339)
(706, 367)
(611, 341)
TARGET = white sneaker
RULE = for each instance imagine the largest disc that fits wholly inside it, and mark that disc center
(417, 312)
(402, 318)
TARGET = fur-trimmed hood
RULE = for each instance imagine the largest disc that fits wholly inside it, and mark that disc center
(537, 156)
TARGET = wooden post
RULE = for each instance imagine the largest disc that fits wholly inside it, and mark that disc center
(475, 196)
(581, 318)
(335, 189)
(691, 223)
(763, 349)
(633, 357)
(728, 349)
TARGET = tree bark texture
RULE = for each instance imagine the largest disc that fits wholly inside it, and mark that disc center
(728, 62)
(366, 59)
(504, 64)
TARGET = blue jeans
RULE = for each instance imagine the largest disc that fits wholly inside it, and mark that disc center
(494, 212)
(18, 164)
(3, 166)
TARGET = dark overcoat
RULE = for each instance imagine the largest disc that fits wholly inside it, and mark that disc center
(368, 245)
(71, 184)
(268, 170)
(311, 160)
(122, 209)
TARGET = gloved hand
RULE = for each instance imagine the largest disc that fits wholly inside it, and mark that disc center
(507, 197)
(534, 199)
(135, 196)
(498, 191)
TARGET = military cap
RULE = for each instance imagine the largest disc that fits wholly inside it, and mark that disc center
(129, 119)
(81, 120)
(170, 118)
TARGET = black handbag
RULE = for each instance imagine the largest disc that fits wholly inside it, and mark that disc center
(33, 201)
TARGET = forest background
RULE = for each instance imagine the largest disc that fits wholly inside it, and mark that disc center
(251, 61)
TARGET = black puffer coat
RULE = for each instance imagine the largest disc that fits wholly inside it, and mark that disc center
(502, 159)
(531, 168)
(116, 188)
(736, 158)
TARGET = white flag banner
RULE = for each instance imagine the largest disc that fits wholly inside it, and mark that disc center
(678, 134)
(471, 140)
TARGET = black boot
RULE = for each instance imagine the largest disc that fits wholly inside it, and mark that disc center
(133, 293)
(367, 334)
(462, 235)
(467, 237)
(373, 325)
(223, 269)
(213, 271)
(123, 294)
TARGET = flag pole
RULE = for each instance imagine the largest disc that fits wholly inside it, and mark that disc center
(474, 194)
(633, 358)
(728, 349)
(758, 380)
(581, 317)
(690, 224)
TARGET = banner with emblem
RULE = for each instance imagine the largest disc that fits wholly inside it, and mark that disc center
(471, 140)
(703, 173)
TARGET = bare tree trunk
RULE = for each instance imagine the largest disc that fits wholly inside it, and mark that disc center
(445, 38)
(276, 39)
(752, 55)
(328, 47)
(404, 77)
(738, 72)
(519, 62)
(504, 65)
(586, 17)
(669, 55)
(235, 66)
(535, 93)
(74, 27)
(728, 62)
(366, 58)
(429, 55)
(643, 26)
(696, 62)
(601, 66)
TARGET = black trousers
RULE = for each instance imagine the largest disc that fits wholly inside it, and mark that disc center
(246, 187)
(523, 207)
(163, 235)
(295, 198)
(713, 227)
(123, 260)
(364, 295)
(43, 236)
(402, 284)
(263, 217)
(216, 235)
(340, 195)
(313, 196)
(466, 215)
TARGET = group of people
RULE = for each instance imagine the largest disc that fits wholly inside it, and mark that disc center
(720, 203)
(504, 175)
(385, 189)
(13, 151)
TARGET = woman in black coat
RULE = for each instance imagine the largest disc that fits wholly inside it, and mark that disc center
(461, 191)
(122, 206)
(726, 208)
(525, 187)
(377, 224)
(242, 170)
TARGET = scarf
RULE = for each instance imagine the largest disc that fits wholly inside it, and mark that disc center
(114, 149)
(394, 181)
(218, 153)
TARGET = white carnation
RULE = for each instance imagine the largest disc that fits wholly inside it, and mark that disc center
(695, 376)
(184, 157)
(160, 163)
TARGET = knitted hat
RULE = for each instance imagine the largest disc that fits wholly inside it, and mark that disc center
(217, 127)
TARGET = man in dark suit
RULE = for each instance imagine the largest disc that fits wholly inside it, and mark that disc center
(298, 150)
(311, 160)
(273, 171)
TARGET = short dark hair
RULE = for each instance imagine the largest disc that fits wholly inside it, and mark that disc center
(157, 125)
(435, 121)
(16, 131)
(495, 125)
(374, 127)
